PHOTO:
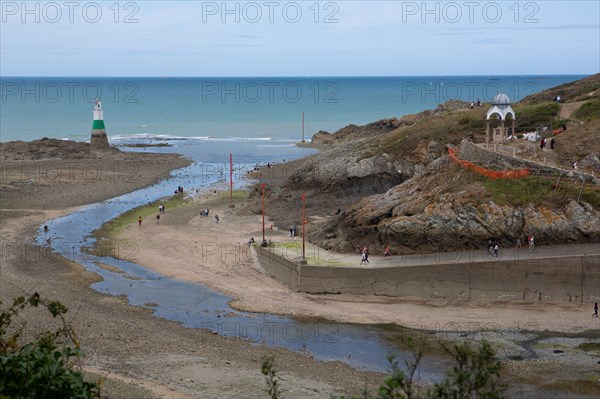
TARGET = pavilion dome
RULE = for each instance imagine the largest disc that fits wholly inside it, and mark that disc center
(501, 99)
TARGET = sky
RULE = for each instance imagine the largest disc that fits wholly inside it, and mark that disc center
(299, 38)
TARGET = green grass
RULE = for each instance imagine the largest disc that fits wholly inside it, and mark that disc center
(530, 116)
(538, 191)
(114, 227)
(237, 195)
(588, 111)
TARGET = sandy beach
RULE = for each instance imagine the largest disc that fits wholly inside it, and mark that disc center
(141, 355)
(190, 247)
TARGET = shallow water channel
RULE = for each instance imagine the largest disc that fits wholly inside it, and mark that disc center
(197, 306)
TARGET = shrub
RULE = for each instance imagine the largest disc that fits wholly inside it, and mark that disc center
(43, 368)
(475, 375)
(588, 111)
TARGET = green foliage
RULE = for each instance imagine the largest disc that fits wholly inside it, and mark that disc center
(588, 111)
(539, 190)
(148, 212)
(531, 116)
(43, 368)
(476, 374)
(268, 371)
(558, 123)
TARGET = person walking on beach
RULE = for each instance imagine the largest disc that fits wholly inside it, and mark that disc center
(595, 310)
(552, 142)
(519, 243)
(139, 221)
(496, 249)
(217, 218)
(158, 218)
(386, 251)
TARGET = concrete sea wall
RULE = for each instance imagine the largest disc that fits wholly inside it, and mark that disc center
(556, 279)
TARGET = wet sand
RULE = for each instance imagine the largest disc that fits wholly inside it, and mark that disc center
(144, 356)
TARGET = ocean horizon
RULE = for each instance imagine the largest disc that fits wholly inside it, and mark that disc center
(264, 111)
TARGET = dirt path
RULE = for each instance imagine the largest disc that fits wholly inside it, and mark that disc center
(567, 109)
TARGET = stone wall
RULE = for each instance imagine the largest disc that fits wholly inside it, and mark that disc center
(557, 279)
(495, 160)
(278, 267)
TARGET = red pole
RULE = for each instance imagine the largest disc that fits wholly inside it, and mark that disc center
(230, 179)
(303, 126)
(263, 210)
(303, 223)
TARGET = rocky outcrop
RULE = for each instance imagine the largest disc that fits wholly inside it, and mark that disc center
(352, 132)
(342, 170)
(51, 149)
(422, 216)
(592, 162)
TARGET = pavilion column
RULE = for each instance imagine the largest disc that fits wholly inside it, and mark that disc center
(513, 127)
(487, 133)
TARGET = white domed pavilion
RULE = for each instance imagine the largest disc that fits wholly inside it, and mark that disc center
(499, 111)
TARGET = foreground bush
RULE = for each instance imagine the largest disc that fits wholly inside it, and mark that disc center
(475, 375)
(44, 368)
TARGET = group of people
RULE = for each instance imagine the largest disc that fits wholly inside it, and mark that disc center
(364, 253)
(205, 212)
(179, 190)
(530, 242)
(472, 105)
(493, 249)
(544, 143)
(293, 230)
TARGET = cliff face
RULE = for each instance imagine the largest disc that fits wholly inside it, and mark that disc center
(347, 171)
(442, 210)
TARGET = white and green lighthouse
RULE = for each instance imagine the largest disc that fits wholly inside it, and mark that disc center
(99, 138)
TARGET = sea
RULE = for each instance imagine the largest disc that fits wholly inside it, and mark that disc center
(263, 114)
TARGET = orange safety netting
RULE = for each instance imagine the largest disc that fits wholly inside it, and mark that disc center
(492, 174)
